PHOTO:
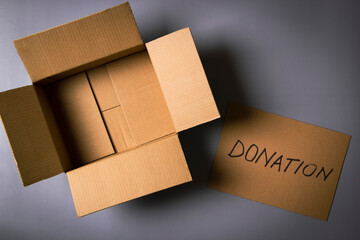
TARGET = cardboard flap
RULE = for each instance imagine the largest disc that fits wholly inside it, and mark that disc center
(81, 44)
(29, 135)
(182, 79)
(152, 167)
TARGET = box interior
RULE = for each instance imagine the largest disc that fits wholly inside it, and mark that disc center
(131, 101)
(63, 124)
(109, 109)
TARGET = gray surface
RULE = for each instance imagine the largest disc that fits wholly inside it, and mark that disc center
(299, 59)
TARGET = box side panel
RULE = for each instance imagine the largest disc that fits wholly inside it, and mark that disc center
(119, 130)
(152, 167)
(29, 136)
(182, 79)
(79, 119)
(54, 129)
(80, 43)
(140, 97)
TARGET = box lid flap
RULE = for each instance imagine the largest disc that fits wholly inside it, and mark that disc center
(81, 44)
(31, 141)
(182, 79)
(121, 177)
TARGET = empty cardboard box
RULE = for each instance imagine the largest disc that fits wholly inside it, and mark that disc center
(105, 108)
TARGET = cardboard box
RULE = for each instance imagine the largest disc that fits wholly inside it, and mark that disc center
(105, 108)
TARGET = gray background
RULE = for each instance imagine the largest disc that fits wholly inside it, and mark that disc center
(299, 59)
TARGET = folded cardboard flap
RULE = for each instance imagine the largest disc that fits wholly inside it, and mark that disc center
(119, 130)
(182, 79)
(31, 131)
(121, 177)
(103, 88)
(81, 44)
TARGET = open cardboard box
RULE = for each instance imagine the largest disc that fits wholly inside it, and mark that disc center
(105, 108)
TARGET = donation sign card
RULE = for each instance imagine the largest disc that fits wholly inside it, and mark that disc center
(278, 161)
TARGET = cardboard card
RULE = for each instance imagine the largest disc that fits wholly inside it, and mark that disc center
(278, 161)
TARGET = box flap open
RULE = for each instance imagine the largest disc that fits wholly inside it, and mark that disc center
(31, 135)
(149, 168)
(182, 78)
(81, 44)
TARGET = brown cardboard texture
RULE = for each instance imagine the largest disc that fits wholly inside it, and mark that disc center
(119, 130)
(29, 133)
(79, 118)
(182, 79)
(278, 161)
(140, 97)
(81, 44)
(103, 88)
(153, 167)
(105, 109)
